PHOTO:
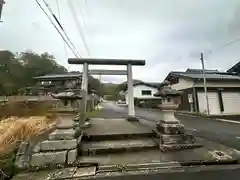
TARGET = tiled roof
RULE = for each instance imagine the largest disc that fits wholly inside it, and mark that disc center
(59, 76)
(235, 68)
(211, 75)
(150, 84)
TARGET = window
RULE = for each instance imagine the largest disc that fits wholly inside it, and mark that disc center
(146, 92)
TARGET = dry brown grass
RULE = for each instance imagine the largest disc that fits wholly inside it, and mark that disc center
(20, 121)
(14, 130)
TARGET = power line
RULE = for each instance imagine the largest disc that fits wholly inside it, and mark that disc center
(59, 16)
(224, 45)
(58, 9)
(60, 25)
(78, 26)
(231, 42)
(88, 11)
(88, 18)
(49, 18)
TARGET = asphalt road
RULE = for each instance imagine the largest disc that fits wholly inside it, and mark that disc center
(226, 133)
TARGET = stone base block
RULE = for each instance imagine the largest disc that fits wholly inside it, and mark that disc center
(177, 147)
(168, 122)
(170, 128)
(41, 159)
(72, 156)
(58, 145)
(170, 139)
(62, 134)
(132, 118)
(36, 148)
(22, 161)
(68, 124)
(23, 148)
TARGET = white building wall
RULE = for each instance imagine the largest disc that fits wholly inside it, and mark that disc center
(219, 84)
(183, 84)
(188, 83)
(137, 92)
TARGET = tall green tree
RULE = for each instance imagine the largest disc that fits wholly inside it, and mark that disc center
(17, 71)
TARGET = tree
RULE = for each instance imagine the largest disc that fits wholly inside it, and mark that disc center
(18, 71)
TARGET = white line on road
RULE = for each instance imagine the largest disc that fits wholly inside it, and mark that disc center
(238, 137)
(230, 121)
(191, 129)
(224, 120)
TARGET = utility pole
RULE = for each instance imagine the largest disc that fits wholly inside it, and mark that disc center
(1, 8)
(204, 82)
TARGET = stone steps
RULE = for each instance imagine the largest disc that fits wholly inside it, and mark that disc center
(53, 158)
(117, 146)
(57, 145)
(117, 136)
(62, 134)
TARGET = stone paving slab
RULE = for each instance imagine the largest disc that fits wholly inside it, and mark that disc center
(115, 126)
(62, 134)
(58, 174)
(48, 157)
(119, 144)
(58, 145)
(207, 153)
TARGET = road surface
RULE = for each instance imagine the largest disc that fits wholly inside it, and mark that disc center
(215, 173)
(214, 130)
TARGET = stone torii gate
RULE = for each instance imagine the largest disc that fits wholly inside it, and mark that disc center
(90, 61)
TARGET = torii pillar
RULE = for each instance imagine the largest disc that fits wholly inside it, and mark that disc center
(127, 62)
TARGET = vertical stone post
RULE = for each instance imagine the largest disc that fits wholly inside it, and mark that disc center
(131, 108)
(84, 95)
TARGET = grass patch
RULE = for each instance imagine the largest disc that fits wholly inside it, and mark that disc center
(95, 113)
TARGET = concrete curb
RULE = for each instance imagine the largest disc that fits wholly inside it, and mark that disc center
(212, 118)
(133, 167)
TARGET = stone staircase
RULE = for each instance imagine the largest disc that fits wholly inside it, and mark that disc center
(96, 149)
(61, 145)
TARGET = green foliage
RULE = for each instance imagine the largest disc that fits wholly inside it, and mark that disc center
(112, 91)
(17, 71)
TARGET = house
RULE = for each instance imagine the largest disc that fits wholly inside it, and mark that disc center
(54, 83)
(223, 91)
(235, 69)
(143, 92)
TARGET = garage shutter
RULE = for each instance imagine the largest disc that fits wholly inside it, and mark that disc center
(213, 101)
(231, 102)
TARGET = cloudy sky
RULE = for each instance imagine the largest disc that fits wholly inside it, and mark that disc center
(168, 34)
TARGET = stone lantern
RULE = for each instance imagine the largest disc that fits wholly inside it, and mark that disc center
(169, 130)
(70, 103)
(67, 105)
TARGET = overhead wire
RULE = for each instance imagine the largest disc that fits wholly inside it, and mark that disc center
(60, 25)
(88, 19)
(78, 26)
(59, 16)
(49, 18)
(88, 11)
(224, 45)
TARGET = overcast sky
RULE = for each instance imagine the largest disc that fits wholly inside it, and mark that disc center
(168, 34)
